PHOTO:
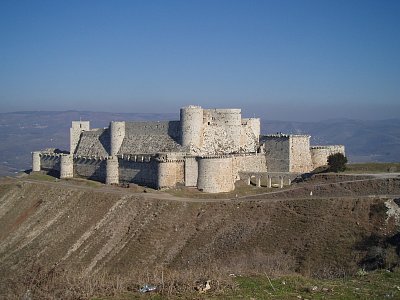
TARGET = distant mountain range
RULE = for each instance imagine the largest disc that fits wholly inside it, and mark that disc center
(23, 132)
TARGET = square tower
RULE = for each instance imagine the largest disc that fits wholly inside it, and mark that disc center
(287, 153)
(75, 131)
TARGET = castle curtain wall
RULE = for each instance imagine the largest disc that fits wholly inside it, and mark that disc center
(50, 164)
(144, 173)
(93, 169)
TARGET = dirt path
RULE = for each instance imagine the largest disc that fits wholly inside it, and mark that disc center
(375, 177)
(169, 197)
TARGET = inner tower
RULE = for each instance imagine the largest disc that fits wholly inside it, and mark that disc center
(75, 131)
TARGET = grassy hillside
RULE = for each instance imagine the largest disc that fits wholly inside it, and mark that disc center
(373, 168)
(68, 240)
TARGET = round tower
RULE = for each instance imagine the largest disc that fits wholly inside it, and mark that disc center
(112, 170)
(67, 166)
(117, 134)
(233, 125)
(191, 125)
(320, 154)
(166, 174)
(36, 161)
(215, 175)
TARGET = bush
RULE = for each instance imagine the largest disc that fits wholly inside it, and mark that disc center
(337, 162)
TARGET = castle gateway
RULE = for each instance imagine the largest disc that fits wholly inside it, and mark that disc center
(206, 148)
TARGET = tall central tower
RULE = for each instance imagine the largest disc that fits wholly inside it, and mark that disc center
(191, 125)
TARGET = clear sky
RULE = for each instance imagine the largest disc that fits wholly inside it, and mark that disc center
(280, 60)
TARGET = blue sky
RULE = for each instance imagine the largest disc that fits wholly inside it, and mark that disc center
(281, 60)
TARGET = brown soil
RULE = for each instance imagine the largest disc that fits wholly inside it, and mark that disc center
(90, 230)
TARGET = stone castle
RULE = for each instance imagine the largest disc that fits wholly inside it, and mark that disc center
(207, 148)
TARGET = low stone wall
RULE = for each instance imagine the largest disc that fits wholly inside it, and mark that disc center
(50, 164)
(180, 172)
(94, 169)
(144, 173)
(250, 163)
(277, 152)
(320, 154)
(191, 171)
(170, 173)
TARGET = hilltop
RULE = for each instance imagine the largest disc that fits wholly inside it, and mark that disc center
(57, 230)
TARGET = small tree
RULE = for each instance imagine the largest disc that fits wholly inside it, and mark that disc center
(337, 162)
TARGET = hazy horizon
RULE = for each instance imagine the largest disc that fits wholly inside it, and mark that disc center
(176, 115)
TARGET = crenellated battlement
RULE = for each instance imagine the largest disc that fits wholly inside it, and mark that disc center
(284, 135)
(320, 154)
(327, 147)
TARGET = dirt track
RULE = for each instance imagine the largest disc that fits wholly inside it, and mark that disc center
(319, 188)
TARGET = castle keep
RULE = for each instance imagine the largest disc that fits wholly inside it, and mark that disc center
(207, 148)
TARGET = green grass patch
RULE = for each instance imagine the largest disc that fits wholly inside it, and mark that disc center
(131, 296)
(374, 285)
(84, 182)
(373, 168)
(42, 177)
(241, 189)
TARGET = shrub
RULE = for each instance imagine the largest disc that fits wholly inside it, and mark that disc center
(337, 162)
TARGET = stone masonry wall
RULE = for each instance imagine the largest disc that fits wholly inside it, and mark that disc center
(166, 175)
(36, 161)
(93, 169)
(144, 173)
(218, 131)
(170, 174)
(249, 134)
(300, 156)
(216, 175)
(67, 166)
(117, 135)
(254, 124)
(50, 164)
(76, 129)
(112, 170)
(191, 126)
(250, 163)
(319, 154)
(191, 171)
(180, 172)
(277, 152)
(221, 131)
